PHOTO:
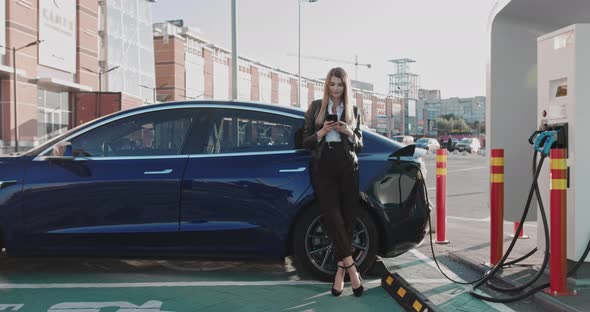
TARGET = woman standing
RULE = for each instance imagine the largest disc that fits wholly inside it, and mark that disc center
(332, 133)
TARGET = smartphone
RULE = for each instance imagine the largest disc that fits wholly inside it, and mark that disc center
(332, 117)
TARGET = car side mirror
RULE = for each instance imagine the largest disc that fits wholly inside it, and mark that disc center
(405, 151)
(68, 152)
(62, 151)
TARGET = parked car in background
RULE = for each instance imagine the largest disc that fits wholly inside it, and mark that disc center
(471, 145)
(202, 178)
(453, 145)
(428, 144)
(404, 139)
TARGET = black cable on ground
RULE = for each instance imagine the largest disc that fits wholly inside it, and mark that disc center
(490, 273)
(512, 243)
(530, 253)
(430, 234)
(546, 232)
(515, 261)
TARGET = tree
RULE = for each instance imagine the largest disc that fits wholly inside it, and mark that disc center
(459, 125)
(443, 125)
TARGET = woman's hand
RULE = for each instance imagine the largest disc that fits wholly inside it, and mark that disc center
(328, 126)
(345, 129)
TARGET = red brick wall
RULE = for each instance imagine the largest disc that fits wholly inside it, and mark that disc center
(208, 67)
(170, 67)
(128, 101)
(21, 29)
(87, 43)
(360, 107)
(274, 83)
(294, 91)
(255, 89)
(388, 111)
(310, 93)
(229, 76)
(373, 111)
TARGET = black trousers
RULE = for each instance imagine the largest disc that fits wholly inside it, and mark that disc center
(336, 186)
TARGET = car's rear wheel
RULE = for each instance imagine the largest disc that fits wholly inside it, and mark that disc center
(314, 251)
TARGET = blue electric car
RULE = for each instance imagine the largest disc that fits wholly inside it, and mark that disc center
(208, 179)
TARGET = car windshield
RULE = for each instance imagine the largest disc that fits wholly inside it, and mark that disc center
(466, 140)
(423, 140)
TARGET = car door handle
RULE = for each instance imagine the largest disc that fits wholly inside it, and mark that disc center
(166, 171)
(300, 169)
(4, 184)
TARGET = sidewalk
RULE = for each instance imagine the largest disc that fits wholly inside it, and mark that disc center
(419, 269)
(468, 229)
(476, 256)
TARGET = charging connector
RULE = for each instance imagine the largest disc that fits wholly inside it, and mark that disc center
(562, 134)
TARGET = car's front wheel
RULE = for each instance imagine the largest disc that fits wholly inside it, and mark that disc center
(314, 250)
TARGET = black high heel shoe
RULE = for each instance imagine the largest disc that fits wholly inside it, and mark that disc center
(359, 290)
(335, 292)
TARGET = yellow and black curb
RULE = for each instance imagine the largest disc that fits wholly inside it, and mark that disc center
(407, 296)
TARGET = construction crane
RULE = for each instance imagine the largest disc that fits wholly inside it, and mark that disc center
(327, 59)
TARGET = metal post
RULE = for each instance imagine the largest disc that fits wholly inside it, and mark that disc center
(99, 102)
(496, 205)
(14, 95)
(441, 196)
(234, 48)
(299, 57)
(558, 220)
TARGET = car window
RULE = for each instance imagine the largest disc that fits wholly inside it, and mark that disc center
(243, 131)
(149, 134)
(422, 141)
(465, 140)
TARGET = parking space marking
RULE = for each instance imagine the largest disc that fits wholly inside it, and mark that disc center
(158, 284)
(467, 169)
(300, 306)
(487, 219)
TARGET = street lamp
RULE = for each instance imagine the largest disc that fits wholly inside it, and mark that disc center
(14, 49)
(153, 89)
(299, 52)
(100, 73)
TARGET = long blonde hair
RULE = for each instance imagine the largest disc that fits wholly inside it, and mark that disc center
(350, 118)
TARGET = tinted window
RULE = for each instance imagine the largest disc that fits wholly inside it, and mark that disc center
(243, 131)
(148, 134)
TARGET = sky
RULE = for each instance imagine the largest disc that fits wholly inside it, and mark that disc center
(448, 39)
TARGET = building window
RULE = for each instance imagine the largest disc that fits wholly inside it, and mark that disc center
(53, 114)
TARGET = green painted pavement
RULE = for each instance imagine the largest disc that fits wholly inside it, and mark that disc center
(209, 299)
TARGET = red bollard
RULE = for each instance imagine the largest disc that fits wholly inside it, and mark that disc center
(441, 196)
(558, 213)
(521, 234)
(496, 205)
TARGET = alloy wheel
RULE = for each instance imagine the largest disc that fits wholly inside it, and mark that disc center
(320, 249)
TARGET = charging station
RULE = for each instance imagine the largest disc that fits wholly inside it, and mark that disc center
(563, 95)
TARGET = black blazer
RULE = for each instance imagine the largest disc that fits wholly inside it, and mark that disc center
(310, 140)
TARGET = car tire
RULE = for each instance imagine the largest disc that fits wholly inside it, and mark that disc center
(309, 236)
